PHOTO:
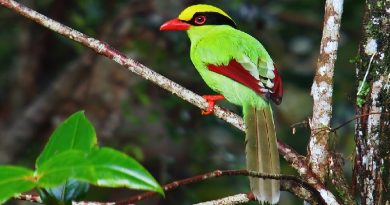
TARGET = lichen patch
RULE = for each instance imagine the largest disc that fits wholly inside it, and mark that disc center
(328, 197)
(371, 47)
(331, 47)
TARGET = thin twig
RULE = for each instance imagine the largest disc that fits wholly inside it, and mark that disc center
(333, 130)
(330, 129)
(357, 117)
(294, 126)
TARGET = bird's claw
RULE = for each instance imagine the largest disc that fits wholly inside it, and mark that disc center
(211, 99)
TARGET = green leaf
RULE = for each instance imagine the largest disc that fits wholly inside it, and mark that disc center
(71, 164)
(75, 133)
(102, 167)
(14, 180)
(116, 169)
(363, 90)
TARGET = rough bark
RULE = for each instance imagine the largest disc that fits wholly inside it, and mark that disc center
(373, 130)
(338, 179)
(322, 89)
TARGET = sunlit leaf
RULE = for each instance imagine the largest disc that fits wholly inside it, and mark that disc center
(71, 164)
(75, 133)
(116, 169)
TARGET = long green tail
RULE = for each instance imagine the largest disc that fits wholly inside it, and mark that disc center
(261, 152)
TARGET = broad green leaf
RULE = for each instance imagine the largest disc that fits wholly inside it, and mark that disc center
(71, 164)
(102, 167)
(14, 180)
(116, 169)
(75, 133)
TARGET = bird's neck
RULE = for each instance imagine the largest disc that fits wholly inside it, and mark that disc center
(198, 32)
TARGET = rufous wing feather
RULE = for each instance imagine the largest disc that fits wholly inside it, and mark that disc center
(236, 71)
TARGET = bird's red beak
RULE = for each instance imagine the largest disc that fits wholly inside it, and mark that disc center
(175, 25)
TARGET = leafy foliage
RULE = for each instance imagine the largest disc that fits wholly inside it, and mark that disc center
(70, 160)
(363, 90)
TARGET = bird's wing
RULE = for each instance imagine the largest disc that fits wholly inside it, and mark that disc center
(242, 58)
(261, 78)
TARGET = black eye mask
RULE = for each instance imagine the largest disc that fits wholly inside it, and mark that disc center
(212, 18)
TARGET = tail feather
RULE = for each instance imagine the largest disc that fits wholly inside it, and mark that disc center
(261, 152)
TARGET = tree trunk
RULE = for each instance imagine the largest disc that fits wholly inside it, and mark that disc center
(372, 133)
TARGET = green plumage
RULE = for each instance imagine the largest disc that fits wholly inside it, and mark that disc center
(217, 45)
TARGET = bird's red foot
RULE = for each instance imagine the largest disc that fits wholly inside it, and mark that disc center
(211, 101)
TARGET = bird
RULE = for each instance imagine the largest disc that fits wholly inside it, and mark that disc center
(237, 66)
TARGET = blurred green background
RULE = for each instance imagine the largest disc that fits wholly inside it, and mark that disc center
(45, 77)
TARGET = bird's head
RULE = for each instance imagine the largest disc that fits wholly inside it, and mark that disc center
(198, 16)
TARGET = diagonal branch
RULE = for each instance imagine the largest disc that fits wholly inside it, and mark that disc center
(297, 161)
(104, 49)
(20, 132)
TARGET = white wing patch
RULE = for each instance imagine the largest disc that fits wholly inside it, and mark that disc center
(264, 73)
(246, 62)
(270, 70)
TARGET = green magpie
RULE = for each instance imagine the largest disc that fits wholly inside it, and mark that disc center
(237, 66)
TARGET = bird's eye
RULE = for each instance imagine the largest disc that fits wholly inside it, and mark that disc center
(200, 20)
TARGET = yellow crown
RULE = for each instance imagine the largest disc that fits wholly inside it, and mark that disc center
(189, 12)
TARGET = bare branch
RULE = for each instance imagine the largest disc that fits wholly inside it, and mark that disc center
(322, 89)
(134, 66)
(231, 200)
(299, 164)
